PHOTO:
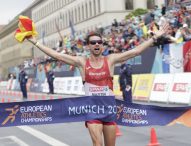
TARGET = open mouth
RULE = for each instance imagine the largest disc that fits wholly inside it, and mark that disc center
(97, 49)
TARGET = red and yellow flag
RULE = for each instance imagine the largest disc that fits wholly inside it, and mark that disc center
(26, 29)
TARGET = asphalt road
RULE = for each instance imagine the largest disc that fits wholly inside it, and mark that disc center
(75, 134)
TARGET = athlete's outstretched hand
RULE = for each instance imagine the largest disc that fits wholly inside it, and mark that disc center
(163, 30)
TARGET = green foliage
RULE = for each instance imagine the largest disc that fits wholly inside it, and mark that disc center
(137, 12)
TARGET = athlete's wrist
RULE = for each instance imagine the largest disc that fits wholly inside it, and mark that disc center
(154, 38)
(36, 43)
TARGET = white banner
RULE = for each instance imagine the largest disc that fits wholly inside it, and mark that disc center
(69, 85)
(45, 86)
(78, 87)
(59, 85)
(161, 87)
(176, 58)
(66, 85)
(181, 88)
(3, 85)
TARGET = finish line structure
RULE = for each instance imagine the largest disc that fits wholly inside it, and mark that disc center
(105, 108)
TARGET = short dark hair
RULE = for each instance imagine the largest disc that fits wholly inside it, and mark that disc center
(92, 34)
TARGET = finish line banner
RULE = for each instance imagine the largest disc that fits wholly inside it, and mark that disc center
(58, 111)
(85, 108)
(134, 115)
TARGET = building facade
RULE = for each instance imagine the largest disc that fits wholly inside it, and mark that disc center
(51, 16)
(12, 53)
(85, 15)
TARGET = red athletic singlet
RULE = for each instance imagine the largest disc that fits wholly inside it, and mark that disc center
(98, 76)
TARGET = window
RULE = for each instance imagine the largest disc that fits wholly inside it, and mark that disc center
(90, 6)
(82, 12)
(76, 15)
(72, 16)
(87, 10)
(150, 4)
(128, 4)
(55, 4)
(79, 14)
(67, 18)
(52, 5)
(94, 6)
(170, 2)
(62, 21)
(99, 6)
(61, 3)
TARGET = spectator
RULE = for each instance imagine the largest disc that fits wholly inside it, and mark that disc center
(178, 35)
(157, 13)
(148, 18)
(139, 31)
(125, 81)
(162, 20)
(186, 32)
(50, 79)
(115, 23)
(98, 70)
(163, 11)
(23, 81)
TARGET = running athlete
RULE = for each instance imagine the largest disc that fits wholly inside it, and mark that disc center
(98, 70)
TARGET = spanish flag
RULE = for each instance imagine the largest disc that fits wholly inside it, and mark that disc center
(26, 29)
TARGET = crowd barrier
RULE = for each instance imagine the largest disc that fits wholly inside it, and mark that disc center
(105, 108)
(3, 85)
(168, 88)
(164, 88)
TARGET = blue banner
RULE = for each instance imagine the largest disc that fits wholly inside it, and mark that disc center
(135, 115)
(58, 111)
(86, 108)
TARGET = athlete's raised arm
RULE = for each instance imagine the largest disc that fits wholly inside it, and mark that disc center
(68, 59)
(120, 57)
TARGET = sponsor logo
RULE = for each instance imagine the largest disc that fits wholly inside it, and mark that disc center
(180, 87)
(175, 62)
(87, 68)
(11, 117)
(143, 85)
(36, 113)
(119, 111)
(161, 87)
(98, 89)
(97, 73)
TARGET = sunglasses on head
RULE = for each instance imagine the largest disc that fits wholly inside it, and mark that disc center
(93, 42)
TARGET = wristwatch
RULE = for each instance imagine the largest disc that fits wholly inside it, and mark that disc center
(154, 37)
(37, 43)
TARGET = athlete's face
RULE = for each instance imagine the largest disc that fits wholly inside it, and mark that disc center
(95, 45)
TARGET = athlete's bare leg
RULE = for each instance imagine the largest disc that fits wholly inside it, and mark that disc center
(95, 131)
(109, 132)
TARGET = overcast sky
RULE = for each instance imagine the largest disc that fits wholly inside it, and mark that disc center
(11, 8)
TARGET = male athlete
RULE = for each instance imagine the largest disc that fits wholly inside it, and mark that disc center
(98, 70)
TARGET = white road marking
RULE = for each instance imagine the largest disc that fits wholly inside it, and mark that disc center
(47, 139)
(16, 140)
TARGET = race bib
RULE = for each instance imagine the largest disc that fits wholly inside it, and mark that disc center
(93, 90)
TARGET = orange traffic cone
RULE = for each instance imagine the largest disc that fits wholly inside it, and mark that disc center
(118, 132)
(153, 139)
